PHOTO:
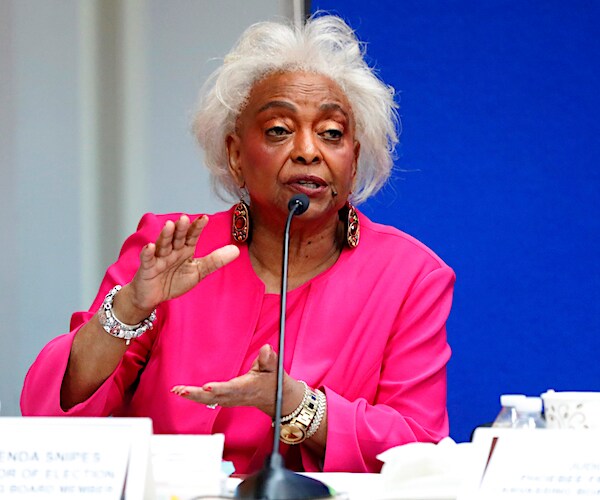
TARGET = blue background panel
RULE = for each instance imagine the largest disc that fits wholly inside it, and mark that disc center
(498, 172)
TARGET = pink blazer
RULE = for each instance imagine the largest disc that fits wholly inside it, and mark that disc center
(372, 336)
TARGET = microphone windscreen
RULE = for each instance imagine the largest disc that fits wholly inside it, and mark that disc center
(300, 201)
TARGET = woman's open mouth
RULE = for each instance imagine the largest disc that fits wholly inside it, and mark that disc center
(308, 184)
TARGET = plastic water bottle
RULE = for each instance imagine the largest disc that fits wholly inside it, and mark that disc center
(529, 414)
(508, 414)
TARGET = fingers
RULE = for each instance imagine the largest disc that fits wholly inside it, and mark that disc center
(193, 393)
(214, 393)
(178, 234)
(217, 259)
(195, 230)
(167, 267)
(147, 256)
(164, 242)
(251, 389)
(267, 359)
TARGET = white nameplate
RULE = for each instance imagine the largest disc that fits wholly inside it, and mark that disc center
(83, 458)
(534, 464)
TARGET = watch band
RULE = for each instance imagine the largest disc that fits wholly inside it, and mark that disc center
(295, 431)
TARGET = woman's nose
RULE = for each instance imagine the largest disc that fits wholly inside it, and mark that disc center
(305, 150)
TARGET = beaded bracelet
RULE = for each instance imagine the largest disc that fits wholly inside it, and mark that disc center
(116, 327)
(297, 411)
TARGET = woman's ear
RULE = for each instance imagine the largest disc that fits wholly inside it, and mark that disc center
(234, 158)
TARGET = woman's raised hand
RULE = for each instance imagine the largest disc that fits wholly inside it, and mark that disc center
(168, 268)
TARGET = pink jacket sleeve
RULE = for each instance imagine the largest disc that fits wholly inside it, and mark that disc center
(41, 389)
(410, 404)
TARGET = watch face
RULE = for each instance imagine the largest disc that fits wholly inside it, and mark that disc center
(292, 434)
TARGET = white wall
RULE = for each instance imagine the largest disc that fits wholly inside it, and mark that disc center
(95, 102)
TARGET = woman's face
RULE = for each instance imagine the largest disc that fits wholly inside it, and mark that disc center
(295, 135)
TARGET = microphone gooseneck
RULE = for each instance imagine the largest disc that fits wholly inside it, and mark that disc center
(297, 205)
(274, 480)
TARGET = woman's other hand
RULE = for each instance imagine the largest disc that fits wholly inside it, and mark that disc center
(257, 388)
(254, 388)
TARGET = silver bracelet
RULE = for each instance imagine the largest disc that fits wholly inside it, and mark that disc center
(297, 411)
(116, 327)
(321, 408)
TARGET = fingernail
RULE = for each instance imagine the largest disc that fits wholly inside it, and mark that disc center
(207, 388)
(184, 393)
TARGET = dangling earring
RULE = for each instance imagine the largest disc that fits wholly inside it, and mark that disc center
(352, 226)
(240, 228)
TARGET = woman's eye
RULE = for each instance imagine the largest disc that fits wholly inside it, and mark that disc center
(332, 134)
(277, 131)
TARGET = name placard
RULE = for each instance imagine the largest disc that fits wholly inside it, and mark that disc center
(84, 458)
(534, 464)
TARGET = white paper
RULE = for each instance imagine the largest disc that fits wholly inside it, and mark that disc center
(186, 466)
(425, 470)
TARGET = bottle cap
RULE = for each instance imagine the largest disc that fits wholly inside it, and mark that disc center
(529, 405)
(510, 400)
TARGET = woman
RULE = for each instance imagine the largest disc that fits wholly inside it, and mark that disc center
(187, 339)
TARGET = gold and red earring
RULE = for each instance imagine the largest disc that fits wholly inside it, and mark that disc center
(240, 227)
(352, 226)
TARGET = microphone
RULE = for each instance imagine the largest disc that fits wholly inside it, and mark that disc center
(300, 203)
(274, 481)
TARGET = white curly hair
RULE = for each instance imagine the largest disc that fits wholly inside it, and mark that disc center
(324, 45)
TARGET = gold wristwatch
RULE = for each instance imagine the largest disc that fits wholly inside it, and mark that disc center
(294, 432)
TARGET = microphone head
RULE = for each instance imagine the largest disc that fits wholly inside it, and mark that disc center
(300, 201)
